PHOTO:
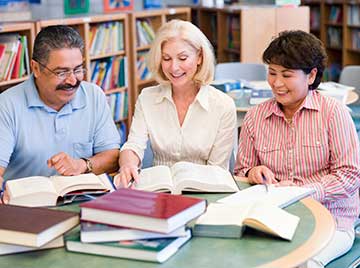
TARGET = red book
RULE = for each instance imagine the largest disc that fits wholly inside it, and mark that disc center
(157, 212)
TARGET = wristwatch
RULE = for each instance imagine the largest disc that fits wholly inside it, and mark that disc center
(89, 167)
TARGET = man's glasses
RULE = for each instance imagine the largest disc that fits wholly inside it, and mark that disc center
(79, 72)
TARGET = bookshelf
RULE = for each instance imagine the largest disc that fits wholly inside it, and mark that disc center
(140, 40)
(22, 29)
(106, 57)
(237, 33)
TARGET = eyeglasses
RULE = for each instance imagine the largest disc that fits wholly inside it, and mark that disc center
(79, 72)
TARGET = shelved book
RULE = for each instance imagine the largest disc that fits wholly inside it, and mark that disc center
(281, 196)
(34, 227)
(154, 250)
(186, 176)
(6, 249)
(229, 220)
(39, 191)
(156, 212)
(97, 232)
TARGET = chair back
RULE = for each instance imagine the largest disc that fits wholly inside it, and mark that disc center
(238, 70)
(350, 75)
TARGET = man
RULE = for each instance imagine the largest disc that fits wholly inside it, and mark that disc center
(55, 122)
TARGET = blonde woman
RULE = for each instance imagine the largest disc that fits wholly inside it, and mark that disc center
(184, 117)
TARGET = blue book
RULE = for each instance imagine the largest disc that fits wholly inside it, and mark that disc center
(260, 95)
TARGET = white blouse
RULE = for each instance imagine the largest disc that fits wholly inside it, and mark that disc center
(205, 137)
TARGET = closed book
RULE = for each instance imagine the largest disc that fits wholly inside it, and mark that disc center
(154, 250)
(229, 220)
(157, 212)
(34, 227)
(97, 232)
(6, 249)
(37, 191)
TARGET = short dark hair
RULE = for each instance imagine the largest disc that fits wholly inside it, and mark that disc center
(297, 50)
(55, 37)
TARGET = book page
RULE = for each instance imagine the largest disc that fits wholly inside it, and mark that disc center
(223, 214)
(281, 196)
(273, 220)
(32, 191)
(203, 178)
(66, 184)
(155, 179)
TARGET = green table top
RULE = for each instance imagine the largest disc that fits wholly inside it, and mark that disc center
(253, 249)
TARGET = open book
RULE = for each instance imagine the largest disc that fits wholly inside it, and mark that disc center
(186, 176)
(229, 220)
(281, 196)
(39, 191)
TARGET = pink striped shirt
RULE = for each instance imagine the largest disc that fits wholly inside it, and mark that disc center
(319, 149)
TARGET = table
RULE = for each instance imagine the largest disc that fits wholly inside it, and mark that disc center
(255, 249)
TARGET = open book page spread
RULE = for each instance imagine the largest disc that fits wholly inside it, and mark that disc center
(278, 196)
(190, 176)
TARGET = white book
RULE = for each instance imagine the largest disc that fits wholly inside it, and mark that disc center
(281, 196)
(335, 90)
(229, 220)
(186, 176)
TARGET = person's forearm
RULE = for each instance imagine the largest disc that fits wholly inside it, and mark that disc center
(105, 162)
(128, 158)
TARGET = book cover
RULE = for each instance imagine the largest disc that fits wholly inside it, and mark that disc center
(117, 5)
(34, 227)
(97, 232)
(158, 212)
(260, 95)
(155, 250)
(76, 6)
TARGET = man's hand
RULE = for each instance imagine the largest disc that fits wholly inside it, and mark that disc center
(66, 165)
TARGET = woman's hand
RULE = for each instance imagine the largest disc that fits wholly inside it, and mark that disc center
(126, 174)
(258, 174)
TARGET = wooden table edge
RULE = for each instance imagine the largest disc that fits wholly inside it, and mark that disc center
(323, 232)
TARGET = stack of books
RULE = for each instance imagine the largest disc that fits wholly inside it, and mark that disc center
(135, 224)
(27, 229)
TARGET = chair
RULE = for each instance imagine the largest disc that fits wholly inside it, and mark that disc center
(238, 70)
(350, 75)
(352, 258)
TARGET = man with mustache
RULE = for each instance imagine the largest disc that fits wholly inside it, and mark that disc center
(56, 123)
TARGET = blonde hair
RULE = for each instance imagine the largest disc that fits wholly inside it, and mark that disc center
(194, 37)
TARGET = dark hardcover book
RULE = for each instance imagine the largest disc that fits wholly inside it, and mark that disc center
(34, 227)
(157, 212)
(155, 250)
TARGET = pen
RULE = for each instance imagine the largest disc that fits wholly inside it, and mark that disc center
(264, 182)
(132, 181)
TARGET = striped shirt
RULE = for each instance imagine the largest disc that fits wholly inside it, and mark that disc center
(319, 149)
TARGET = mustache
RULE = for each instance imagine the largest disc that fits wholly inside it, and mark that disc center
(68, 87)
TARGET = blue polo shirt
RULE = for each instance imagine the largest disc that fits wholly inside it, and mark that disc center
(31, 132)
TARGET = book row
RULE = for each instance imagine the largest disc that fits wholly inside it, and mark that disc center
(145, 32)
(14, 58)
(118, 103)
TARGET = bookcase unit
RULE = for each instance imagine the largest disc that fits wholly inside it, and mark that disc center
(242, 32)
(100, 59)
(339, 29)
(23, 29)
(143, 26)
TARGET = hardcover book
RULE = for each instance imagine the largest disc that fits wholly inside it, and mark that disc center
(186, 176)
(97, 232)
(154, 250)
(39, 191)
(229, 220)
(34, 227)
(157, 212)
